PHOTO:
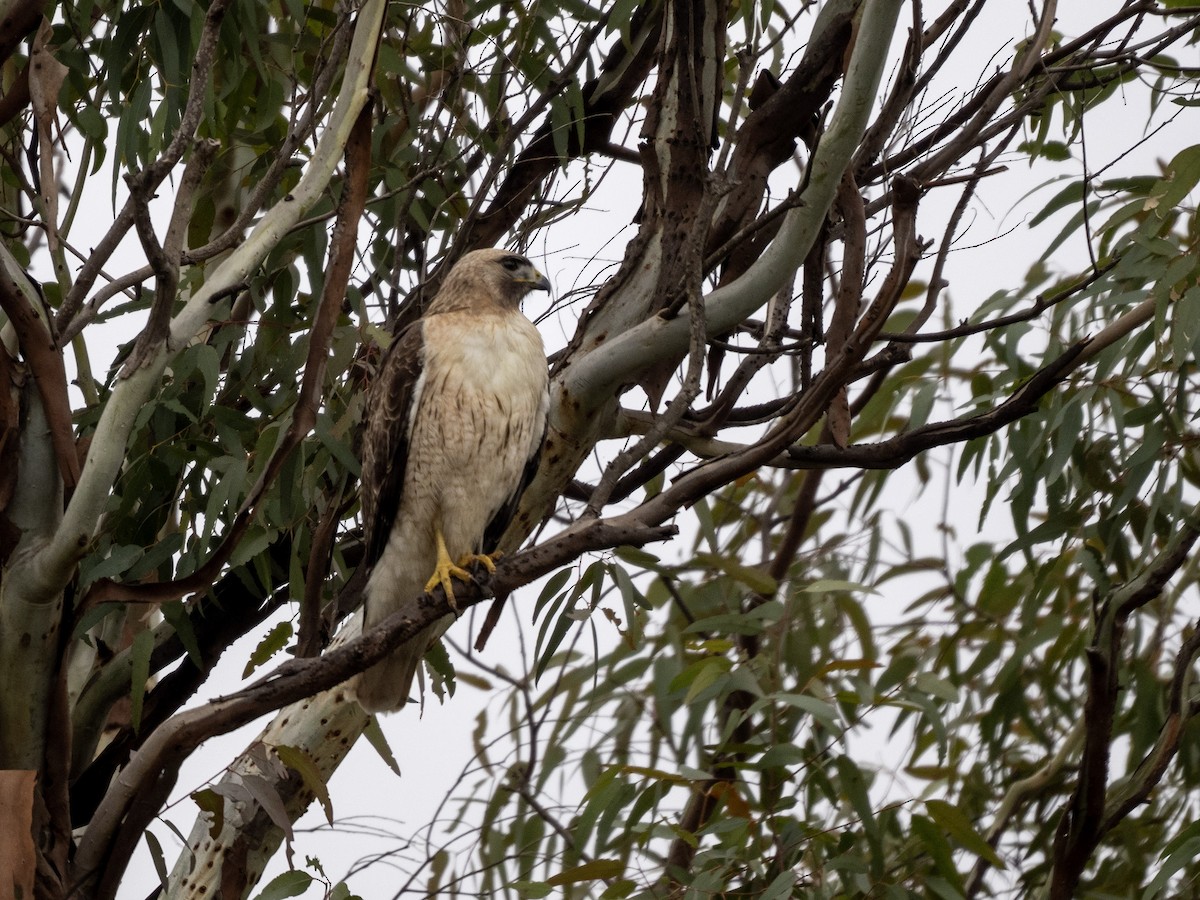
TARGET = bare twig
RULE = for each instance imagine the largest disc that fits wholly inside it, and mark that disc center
(149, 179)
(1090, 812)
(164, 258)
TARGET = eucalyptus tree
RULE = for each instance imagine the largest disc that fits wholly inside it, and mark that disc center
(766, 347)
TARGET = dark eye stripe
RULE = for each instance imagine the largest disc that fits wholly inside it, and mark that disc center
(514, 262)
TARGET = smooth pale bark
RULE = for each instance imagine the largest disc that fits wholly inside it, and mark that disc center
(29, 628)
(594, 377)
(324, 727)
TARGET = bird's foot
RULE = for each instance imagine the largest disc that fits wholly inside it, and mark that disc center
(444, 572)
(487, 560)
(443, 575)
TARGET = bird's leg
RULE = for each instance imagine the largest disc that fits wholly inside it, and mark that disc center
(444, 571)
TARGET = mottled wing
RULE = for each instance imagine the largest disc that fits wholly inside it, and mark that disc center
(495, 530)
(385, 444)
(504, 515)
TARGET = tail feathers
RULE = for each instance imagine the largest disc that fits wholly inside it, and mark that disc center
(386, 685)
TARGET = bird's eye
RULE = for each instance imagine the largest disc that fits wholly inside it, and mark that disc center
(512, 263)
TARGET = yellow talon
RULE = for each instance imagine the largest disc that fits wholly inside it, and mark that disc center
(484, 559)
(444, 571)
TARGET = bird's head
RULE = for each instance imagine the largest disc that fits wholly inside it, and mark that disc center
(498, 276)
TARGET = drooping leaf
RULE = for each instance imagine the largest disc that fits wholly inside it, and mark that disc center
(292, 883)
(596, 870)
(302, 763)
(959, 827)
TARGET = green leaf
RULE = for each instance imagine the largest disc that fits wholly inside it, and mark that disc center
(823, 712)
(636, 556)
(929, 683)
(115, 563)
(595, 870)
(944, 889)
(553, 585)
(439, 664)
(934, 845)
(826, 585)
(1056, 151)
(93, 617)
(753, 577)
(92, 125)
(782, 755)
(1184, 175)
(157, 856)
(535, 890)
(853, 786)
(1185, 338)
(212, 803)
(177, 617)
(654, 774)
(139, 656)
(300, 762)
(951, 820)
(339, 447)
(207, 360)
(781, 886)
(288, 884)
(753, 621)
(700, 675)
(374, 735)
(265, 793)
(274, 641)
(1068, 196)
(1181, 851)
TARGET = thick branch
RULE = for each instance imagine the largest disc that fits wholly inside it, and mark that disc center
(164, 258)
(767, 139)
(170, 744)
(19, 19)
(1090, 813)
(605, 97)
(22, 304)
(597, 375)
(234, 606)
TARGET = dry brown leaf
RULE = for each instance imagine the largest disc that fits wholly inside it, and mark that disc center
(838, 418)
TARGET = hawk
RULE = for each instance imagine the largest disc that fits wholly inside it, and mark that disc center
(455, 422)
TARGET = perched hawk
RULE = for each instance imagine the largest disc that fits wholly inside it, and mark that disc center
(455, 421)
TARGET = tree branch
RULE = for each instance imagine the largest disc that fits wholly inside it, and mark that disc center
(55, 564)
(1090, 814)
(600, 371)
(23, 306)
(152, 177)
(164, 258)
(171, 743)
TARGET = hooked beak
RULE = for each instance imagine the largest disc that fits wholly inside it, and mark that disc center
(542, 283)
